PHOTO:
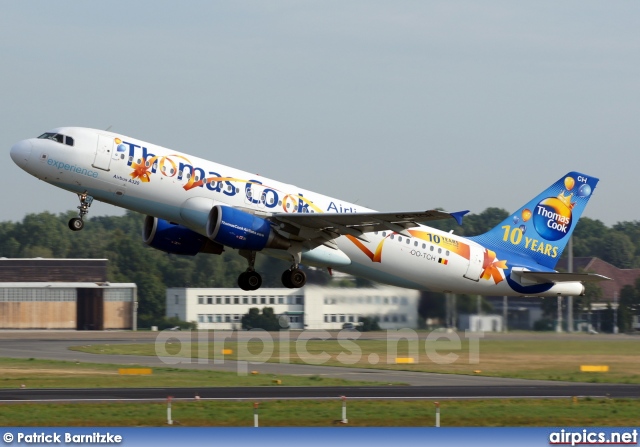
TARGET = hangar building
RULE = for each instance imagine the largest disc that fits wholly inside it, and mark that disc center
(63, 294)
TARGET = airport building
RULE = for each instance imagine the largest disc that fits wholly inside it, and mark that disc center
(310, 307)
(63, 294)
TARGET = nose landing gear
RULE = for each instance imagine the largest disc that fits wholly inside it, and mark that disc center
(77, 223)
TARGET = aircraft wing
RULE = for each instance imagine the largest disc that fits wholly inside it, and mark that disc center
(356, 224)
(555, 277)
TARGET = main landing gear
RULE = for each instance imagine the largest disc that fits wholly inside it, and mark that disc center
(294, 278)
(77, 223)
(249, 279)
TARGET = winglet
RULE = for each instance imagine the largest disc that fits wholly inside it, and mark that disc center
(458, 215)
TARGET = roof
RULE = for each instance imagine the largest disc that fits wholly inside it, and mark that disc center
(66, 285)
(610, 289)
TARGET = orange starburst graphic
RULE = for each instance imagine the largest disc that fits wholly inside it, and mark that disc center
(492, 267)
(141, 171)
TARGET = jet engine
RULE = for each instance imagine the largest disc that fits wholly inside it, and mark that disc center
(177, 239)
(243, 231)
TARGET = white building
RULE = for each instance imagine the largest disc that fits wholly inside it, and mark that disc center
(311, 307)
(480, 323)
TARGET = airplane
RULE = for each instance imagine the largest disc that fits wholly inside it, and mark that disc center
(199, 206)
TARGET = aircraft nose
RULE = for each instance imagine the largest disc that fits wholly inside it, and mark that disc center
(20, 153)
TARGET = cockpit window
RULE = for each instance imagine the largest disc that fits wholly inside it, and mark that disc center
(57, 137)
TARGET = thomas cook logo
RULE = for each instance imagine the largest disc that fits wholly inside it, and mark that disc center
(552, 217)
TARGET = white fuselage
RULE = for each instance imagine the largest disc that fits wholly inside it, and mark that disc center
(181, 188)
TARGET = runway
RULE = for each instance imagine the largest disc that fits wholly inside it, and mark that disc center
(54, 346)
(286, 393)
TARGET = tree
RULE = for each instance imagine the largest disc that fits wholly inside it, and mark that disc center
(619, 250)
(267, 320)
(607, 319)
(367, 324)
(631, 229)
(589, 238)
(628, 306)
(432, 305)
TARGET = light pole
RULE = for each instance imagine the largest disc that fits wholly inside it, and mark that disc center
(559, 320)
(615, 312)
(570, 298)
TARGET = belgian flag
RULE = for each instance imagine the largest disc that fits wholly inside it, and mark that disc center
(443, 261)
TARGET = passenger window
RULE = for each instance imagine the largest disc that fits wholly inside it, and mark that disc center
(408, 241)
(415, 244)
(424, 246)
(399, 238)
(68, 141)
(391, 237)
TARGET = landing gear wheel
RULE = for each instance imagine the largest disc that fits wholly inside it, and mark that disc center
(286, 279)
(254, 280)
(294, 278)
(76, 224)
(249, 280)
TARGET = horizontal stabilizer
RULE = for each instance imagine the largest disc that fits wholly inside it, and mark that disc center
(526, 277)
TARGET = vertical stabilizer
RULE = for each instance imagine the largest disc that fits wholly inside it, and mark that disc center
(541, 228)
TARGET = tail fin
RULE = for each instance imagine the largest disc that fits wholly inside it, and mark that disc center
(542, 227)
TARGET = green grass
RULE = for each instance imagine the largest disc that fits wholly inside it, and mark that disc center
(58, 374)
(544, 359)
(476, 413)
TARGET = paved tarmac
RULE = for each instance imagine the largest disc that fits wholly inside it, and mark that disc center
(285, 393)
(54, 345)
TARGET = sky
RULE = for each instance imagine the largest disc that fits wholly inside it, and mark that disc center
(394, 105)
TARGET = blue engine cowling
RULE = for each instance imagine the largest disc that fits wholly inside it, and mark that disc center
(243, 231)
(173, 238)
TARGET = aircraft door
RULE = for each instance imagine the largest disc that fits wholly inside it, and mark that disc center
(103, 152)
(475, 263)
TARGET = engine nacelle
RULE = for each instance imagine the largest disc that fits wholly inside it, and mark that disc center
(243, 231)
(176, 239)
